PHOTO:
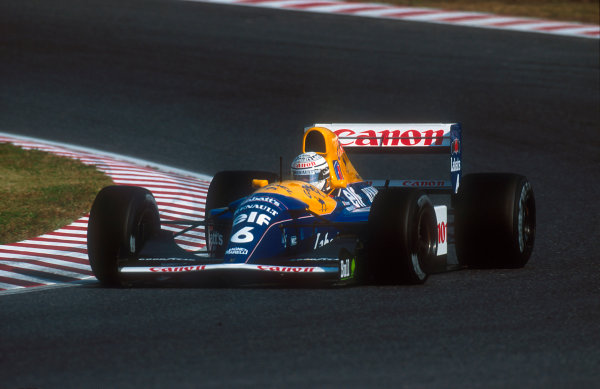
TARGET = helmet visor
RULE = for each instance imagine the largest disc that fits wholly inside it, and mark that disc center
(307, 176)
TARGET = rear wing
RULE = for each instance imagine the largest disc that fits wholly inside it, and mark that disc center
(419, 138)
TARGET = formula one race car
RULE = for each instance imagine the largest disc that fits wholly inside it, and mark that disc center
(259, 227)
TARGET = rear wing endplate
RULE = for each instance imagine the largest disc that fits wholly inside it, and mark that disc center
(421, 138)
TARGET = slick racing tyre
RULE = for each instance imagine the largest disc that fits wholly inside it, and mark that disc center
(225, 188)
(495, 220)
(402, 239)
(228, 186)
(121, 220)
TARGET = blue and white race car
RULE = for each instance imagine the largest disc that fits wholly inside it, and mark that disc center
(326, 223)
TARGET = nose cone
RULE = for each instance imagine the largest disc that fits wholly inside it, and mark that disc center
(252, 228)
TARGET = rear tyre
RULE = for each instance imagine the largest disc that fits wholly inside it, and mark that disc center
(495, 220)
(122, 219)
(402, 238)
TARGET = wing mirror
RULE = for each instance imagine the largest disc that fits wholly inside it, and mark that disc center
(259, 183)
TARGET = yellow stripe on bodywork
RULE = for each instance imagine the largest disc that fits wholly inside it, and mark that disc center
(316, 201)
(334, 152)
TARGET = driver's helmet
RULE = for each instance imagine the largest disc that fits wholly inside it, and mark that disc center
(312, 168)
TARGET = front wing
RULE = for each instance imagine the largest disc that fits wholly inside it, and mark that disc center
(336, 272)
(234, 267)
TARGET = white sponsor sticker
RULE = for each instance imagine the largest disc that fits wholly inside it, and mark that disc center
(441, 214)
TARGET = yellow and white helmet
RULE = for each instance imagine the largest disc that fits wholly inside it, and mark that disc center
(312, 168)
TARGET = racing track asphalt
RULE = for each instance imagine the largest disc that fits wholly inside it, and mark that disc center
(208, 87)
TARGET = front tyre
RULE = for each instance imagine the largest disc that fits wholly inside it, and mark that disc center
(402, 238)
(495, 220)
(226, 187)
(230, 185)
(122, 219)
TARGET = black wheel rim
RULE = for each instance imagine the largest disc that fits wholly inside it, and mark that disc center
(424, 244)
(526, 218)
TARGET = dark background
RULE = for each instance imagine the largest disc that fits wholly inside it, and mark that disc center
(207, 88)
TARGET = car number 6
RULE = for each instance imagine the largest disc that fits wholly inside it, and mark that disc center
(243, 235)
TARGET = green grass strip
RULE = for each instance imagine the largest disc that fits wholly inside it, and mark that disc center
(584, 11)
(41, 192)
